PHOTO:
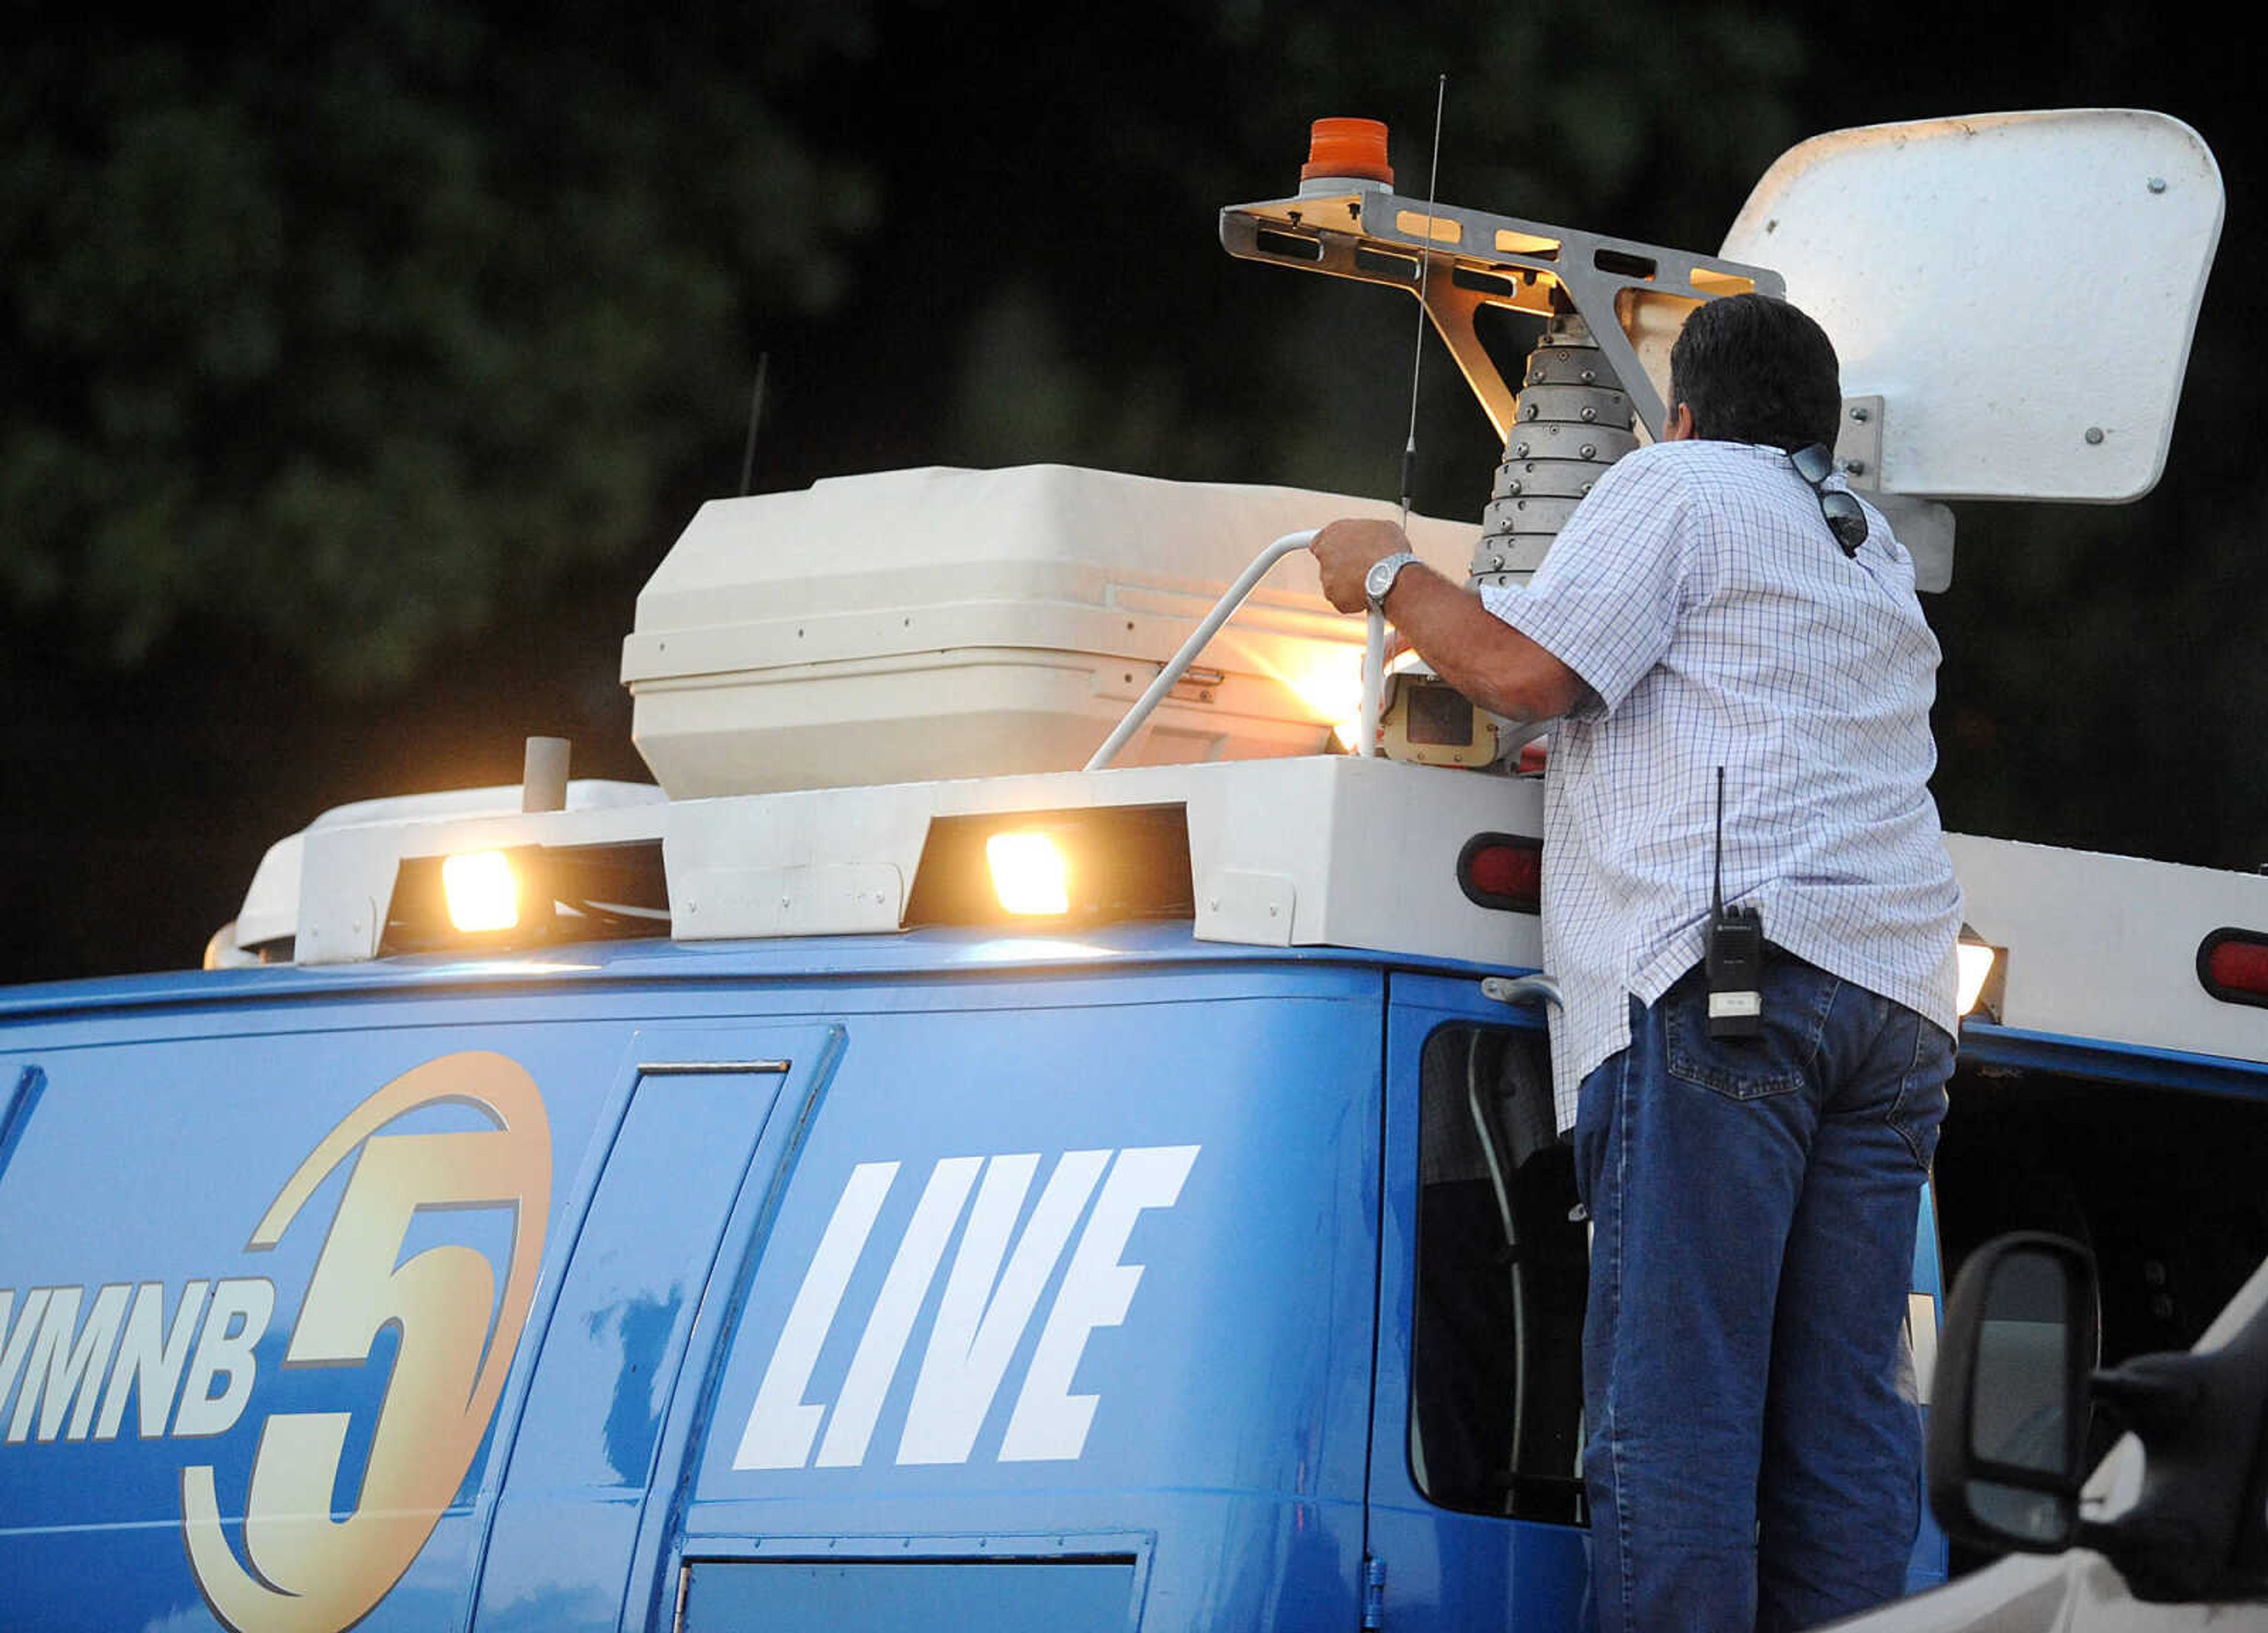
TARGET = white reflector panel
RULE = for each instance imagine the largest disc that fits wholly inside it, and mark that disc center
(2021, 290)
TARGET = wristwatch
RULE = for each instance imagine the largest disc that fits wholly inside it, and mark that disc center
(1378, 583)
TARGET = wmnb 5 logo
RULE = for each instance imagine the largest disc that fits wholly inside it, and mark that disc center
(303, 1569)
(991, 1296)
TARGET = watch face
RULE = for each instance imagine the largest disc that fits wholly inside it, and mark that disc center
(1381, 578)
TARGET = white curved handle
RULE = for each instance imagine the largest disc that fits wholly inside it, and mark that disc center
(1123, 731)
(1374, 682)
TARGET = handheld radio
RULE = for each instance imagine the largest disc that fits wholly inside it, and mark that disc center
(1736, 952)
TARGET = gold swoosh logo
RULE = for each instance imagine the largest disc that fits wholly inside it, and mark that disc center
(309, 1573)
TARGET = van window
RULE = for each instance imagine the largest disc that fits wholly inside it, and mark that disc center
(2162, 1184)
(1497, 1355)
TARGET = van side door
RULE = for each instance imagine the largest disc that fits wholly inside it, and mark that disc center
(1475, 1507)
(703, 1126)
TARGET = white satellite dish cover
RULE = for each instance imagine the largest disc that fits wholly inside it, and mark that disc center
(2019, 289)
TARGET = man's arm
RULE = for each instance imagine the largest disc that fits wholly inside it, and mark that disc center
(1482, 656)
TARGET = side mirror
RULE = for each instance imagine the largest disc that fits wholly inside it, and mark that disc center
(2008, 1433)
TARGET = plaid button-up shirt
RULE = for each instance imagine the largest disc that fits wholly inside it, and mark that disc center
(1699, 595)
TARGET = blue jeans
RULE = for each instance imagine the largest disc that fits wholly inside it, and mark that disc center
(1752, 1461)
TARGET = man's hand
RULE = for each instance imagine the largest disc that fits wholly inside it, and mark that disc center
(1347, 549)
(1478, 653)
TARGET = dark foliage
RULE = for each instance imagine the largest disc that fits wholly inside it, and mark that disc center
(362, 362)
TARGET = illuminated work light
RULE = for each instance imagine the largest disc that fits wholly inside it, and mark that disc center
(1978, 961)
(1096, 865)
(526, 896)
(1329, 680)
(1028, 873)
(483, 893)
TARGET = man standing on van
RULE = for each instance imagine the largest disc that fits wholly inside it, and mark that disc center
(1752, 1460)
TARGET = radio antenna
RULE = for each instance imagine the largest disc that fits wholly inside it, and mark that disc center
(1717, 887)
(755, 413)
(1425, 278)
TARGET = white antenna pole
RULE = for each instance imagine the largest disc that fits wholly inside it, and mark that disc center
(1373, 679)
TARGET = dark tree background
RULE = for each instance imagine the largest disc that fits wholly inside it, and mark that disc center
(360, 363)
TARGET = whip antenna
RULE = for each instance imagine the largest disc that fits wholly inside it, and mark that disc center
(755, 413)
(1717, 887)
(1425, 277)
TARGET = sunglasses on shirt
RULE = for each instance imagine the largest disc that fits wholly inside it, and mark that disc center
(1844, 520)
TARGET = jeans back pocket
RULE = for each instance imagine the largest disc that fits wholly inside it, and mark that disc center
(1739, 1069)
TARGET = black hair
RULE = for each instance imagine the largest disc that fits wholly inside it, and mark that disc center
(1756, 368)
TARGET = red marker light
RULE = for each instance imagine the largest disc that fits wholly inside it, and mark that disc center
(1347, 147)
(1504, 871)
(2232, 966)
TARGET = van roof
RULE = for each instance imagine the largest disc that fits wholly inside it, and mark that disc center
(1311, 851)
(939, 951)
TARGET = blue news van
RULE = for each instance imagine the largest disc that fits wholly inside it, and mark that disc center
(808, 1283)
(785, 1286)
(1103, 1278)
(882, 1176)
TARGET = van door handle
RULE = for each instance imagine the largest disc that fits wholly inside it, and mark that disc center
(1522, 990)
(713, 1068)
